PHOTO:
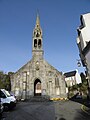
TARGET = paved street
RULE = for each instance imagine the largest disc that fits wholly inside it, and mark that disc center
(47, 111)
(32, 111)
(70, 111)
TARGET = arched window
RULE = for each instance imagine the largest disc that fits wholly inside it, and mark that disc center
(56, 81)
(39, 43)
(37, 35)
(35, 43)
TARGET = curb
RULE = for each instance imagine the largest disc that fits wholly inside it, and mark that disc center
(84, 109)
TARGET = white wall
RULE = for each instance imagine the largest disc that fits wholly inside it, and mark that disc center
(85, 32)
(88, 61)
(78, 77)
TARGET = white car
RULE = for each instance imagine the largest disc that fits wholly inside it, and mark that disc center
(1, 108)
(8, 101)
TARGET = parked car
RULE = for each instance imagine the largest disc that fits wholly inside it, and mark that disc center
(79, 96)
(1, 108)
(8, 101)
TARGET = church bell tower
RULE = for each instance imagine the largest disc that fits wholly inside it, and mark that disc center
(37, 45)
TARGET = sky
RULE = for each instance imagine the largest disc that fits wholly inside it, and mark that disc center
(59, 20)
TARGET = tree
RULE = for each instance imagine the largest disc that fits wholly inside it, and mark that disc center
(5, 82)
(2, 85)
(83, 77)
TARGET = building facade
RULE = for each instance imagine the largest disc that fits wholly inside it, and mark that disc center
(72, 78)
(83, 42)
(38, 77)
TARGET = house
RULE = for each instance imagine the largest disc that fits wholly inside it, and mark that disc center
(83, 42)
(72, 78)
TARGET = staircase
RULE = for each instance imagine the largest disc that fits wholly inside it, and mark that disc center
(39, 99)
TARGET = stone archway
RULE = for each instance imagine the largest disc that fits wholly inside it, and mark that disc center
(37, 87)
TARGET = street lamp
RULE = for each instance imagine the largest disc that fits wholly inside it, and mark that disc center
(78, 63)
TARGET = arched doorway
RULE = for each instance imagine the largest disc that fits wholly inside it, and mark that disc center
(37, 87)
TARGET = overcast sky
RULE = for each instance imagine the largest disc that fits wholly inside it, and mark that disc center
(59, 20)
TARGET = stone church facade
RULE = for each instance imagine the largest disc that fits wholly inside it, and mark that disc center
(38, 77)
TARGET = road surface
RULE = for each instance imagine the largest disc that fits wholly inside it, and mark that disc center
(62, 110)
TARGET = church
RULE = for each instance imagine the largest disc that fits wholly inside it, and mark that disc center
(37, 77)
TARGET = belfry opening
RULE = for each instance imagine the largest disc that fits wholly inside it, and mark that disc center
(37, 87)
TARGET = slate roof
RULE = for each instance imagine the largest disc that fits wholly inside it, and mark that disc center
(70, 74)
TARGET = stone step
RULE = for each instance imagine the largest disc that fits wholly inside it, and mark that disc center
(39, 99)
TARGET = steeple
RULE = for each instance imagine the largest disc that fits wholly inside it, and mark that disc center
(37, 20)
(37, 48)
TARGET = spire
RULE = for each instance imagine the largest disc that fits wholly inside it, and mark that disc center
(37, 20)
(37, 30)
(37, 46)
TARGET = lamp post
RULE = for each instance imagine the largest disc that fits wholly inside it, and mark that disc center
(78, 63)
